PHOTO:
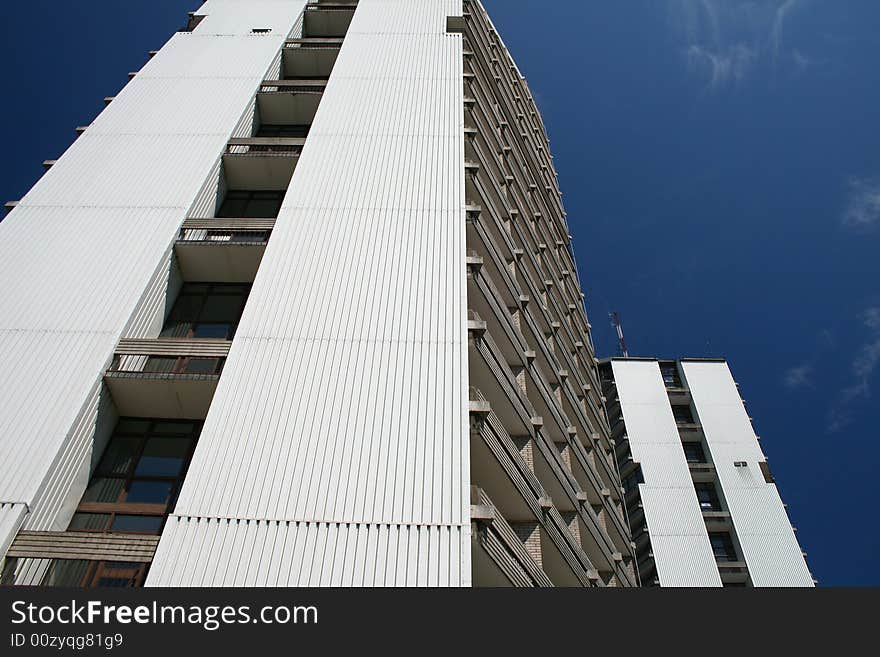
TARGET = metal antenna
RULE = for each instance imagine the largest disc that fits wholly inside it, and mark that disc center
(621, 342)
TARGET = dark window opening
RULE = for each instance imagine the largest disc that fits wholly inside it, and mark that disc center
(707, 496)
(135, 486)
(93, 574)
(287, 131)
(251, 205)
(694, 452)
(683, 414)
(722, 546)
(202, 310)
(671, 378)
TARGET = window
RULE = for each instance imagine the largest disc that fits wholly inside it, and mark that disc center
(722, 546)
(137, 480)
(203, 310)
(632, 482)
(91, 574)
(707, 497)
(694, 453)
(251, 205)
(682, 414)
(267, 130)
(671, 378)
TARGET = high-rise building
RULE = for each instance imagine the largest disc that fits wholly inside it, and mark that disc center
(703, 506)
(300, 308)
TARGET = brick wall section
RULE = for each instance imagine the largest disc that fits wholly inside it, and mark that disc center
(574, 527)
(530, 535)
(526, 447)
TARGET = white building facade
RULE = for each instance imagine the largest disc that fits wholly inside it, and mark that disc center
(703, 507)
(302, 310)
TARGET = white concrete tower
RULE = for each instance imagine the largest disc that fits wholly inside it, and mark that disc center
(302, 310)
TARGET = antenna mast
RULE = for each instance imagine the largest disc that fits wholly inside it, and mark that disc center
(621, 342)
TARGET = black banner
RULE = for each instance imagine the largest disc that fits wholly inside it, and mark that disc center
(376, 621)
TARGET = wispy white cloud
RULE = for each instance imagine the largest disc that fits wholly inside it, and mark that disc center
(799, 377)
(863, 203)
(725, 40)
(862, 369)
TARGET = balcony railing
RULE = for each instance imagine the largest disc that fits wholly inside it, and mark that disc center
(315, 42)
(170, 356)
(226, 231)
(310, 86)
(280, 146)
(166, 377)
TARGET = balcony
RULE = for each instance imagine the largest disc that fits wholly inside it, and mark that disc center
(290, 101)
(261, 163)
(166, 377)
(315, 58)
(327, 19)
(222, 250)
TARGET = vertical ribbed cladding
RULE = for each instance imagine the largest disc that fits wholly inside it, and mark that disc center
(679, 540)
(764, 533)
(11, 517)
(88, 238)
(335, 450)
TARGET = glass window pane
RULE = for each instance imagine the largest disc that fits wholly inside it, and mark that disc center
(173, 427)
(119, 455)
(149, 492)
(128, 425)
(176, 329)
(186, 307)
(64, 572)
(104, 490)
(89, 521)
(163, 457)
(265, 208)
(160, 364)
(220, 331)
(232, 207)
(147, 524)
(202, 366)
(222, 308)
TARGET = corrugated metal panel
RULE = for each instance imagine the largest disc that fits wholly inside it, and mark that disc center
(242, 16)
(398, 17)
(679, 540)
(11, 517)
(240, 552)
(344, 398)
(686, 561)
(89, 237)
(763, 530)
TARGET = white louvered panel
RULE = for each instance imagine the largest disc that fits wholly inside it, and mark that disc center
(679, 540)
(79, 283)
(387, 17)
(239, 552)
(684, 561)
(11, 517)
(148, 106)
(219, 57)
(121, 171)
(92, 238)
(341, 415)
(239, 17)
(769, 545)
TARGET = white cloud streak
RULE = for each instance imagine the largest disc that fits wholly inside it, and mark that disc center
(863, 368)
(724, 40)
(863, 203)
(799, 377)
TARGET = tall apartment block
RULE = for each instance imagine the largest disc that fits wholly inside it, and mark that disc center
(299, 308)
(702, 503)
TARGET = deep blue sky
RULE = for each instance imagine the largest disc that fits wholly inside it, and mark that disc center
(721, 169)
